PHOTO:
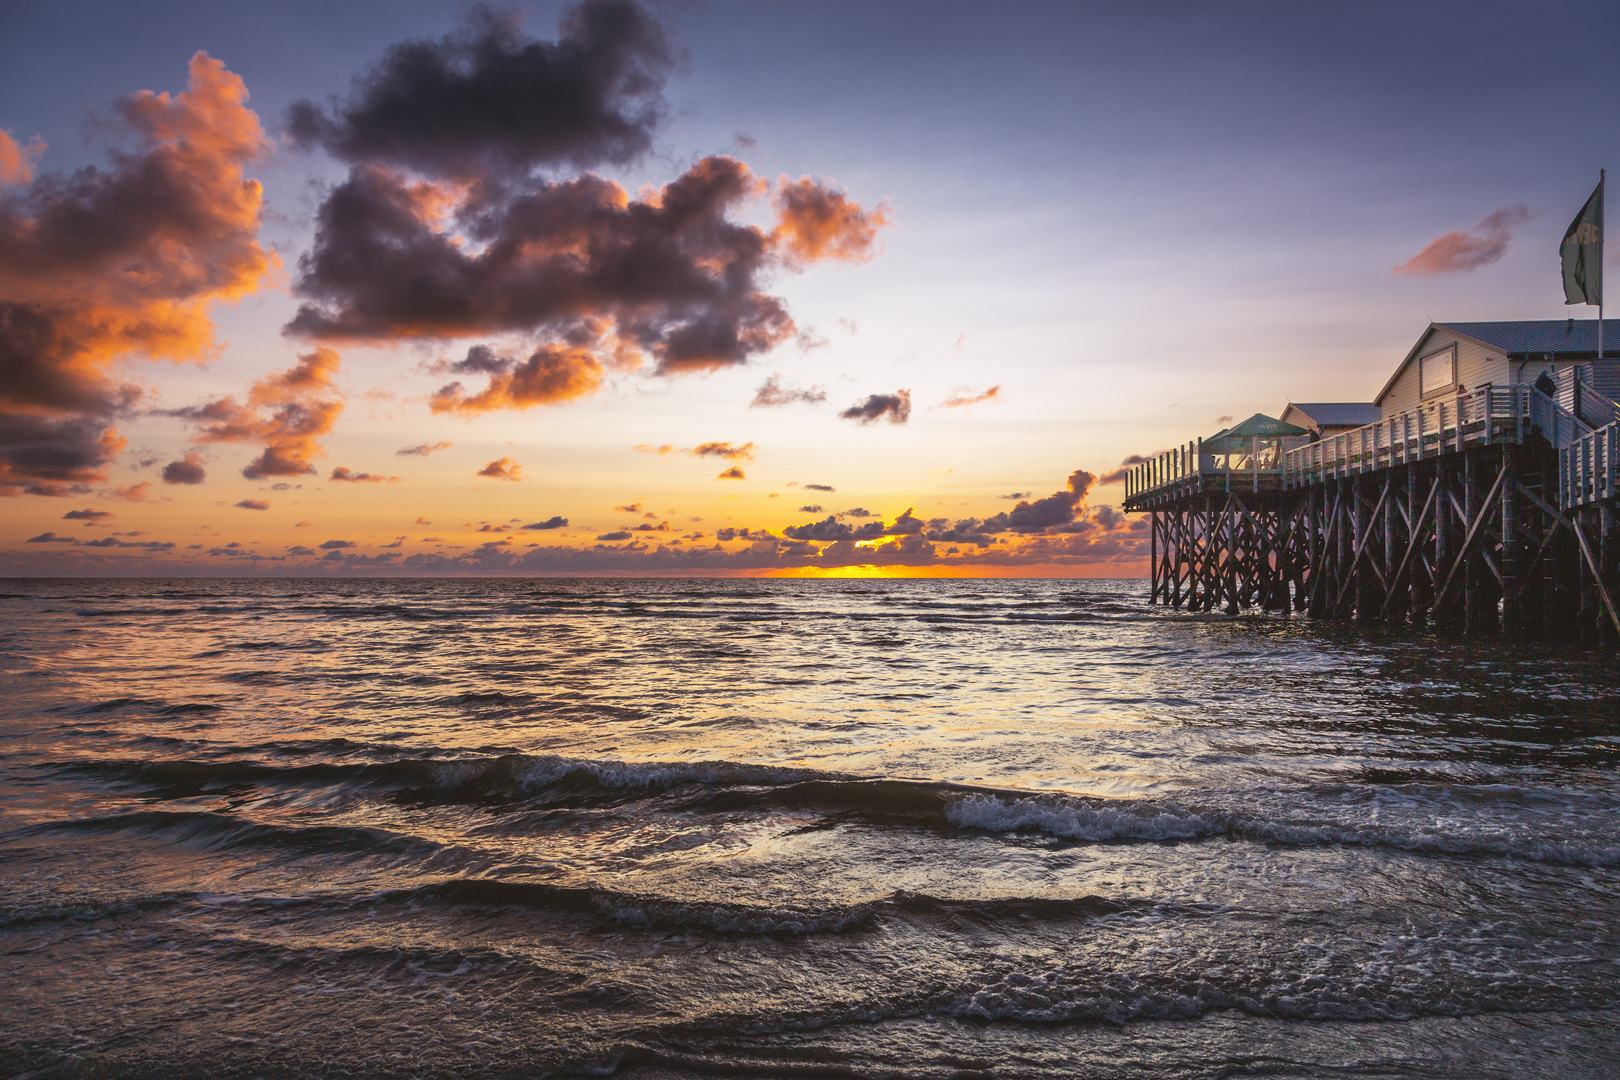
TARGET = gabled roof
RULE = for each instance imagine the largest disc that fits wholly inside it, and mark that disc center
(1534, 335)
(1564, 338)
(1338, 413)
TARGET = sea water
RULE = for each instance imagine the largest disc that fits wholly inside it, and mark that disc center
(669, 828)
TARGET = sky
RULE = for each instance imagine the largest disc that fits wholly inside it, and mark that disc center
(730, 288)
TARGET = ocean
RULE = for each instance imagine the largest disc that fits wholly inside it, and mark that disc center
(840, 828)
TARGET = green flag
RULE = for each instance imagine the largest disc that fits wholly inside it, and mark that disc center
(1582, 253)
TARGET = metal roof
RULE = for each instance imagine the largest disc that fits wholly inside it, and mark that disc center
(1339, 413)
(1537, 335)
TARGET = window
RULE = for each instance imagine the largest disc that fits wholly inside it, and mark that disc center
(1437, 372)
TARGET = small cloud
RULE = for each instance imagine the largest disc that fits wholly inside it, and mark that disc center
(423, 521)
(858, 512)
(1227, 419)
(304, 525)
(813, 509)
(502, 469)
(896, 407)
(134, 492)
(253, 504)
(772, 394)
(724, 450)
(819, 487)
(550, 523)
(86, 515)
(851, 325)
(423, 449)
(622, 534)
(1464, 251)
(732, 473)
(962, 397)
(629, 508)
(649, 448)
(334, 545)
(187, 470)
(347, 475)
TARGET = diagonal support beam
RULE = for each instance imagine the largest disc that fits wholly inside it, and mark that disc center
(1485, 508)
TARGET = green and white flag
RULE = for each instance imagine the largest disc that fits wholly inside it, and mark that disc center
(1582, 253)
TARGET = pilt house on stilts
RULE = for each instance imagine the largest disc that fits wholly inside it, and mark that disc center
(1476, 495)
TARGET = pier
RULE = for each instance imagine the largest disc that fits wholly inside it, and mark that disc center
(1480, 512)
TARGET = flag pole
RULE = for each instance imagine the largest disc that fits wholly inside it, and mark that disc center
(1603, 175)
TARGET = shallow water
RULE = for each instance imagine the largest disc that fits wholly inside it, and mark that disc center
(676, 828)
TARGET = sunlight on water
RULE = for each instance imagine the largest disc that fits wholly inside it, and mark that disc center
(422, 827)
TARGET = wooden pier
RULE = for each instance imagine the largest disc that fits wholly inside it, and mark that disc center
(1485, 512)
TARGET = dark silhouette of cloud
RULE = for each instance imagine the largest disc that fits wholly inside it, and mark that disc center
(896, 407)
(1054, 511)
(557, 522)
(423, 450)
(732, 473)
(487, 100)
(253, 504)
(773, 394)
(187, 470)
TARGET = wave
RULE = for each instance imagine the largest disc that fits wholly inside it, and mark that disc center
(1097, 822)
(504, 778)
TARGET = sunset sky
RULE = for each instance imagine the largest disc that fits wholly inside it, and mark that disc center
(685, 288)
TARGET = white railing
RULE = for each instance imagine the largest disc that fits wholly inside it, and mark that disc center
(1588, 460)
(1586, 468)
(1486, 415)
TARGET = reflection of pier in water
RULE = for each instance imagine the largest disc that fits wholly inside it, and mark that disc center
(1480, 511)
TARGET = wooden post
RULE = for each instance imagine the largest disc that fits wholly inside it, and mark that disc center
(1512, 624)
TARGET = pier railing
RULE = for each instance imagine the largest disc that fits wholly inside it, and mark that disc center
(1589, 461)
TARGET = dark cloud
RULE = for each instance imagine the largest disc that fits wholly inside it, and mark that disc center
(104, 542)
(423, 450)
(815, 509)
(86, 515)
(187, 470)
(557, 522)
(253, 504)
(622, 534)
(743, 534)
(858, 512)
(819, 487)
(490, 100)
(108, 263)
(896, 407)
(578, 262)
(773, 394)
(732, 473)
(333, 545)
(54, 455)
(1461, 251)
(1015, 496)
(833, 529)
(1054, 511)
(1117, 476)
